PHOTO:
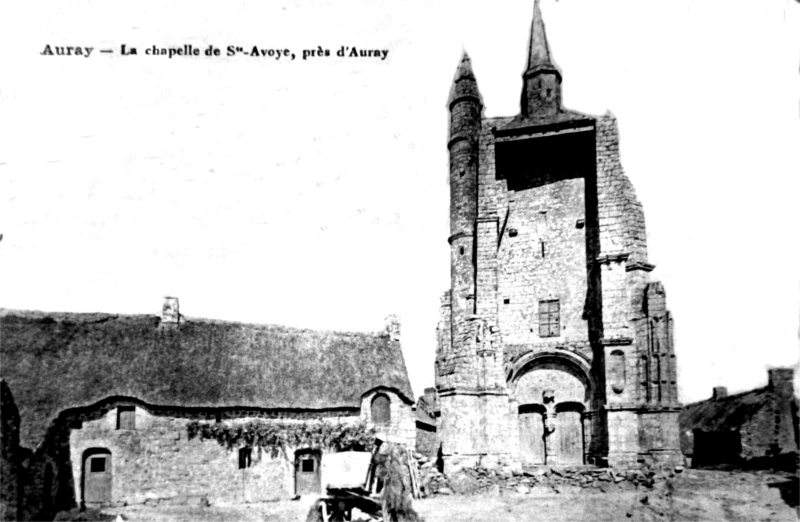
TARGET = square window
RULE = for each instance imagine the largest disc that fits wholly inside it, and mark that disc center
(549, 318)
(307, 465)
(126, 418)
(98, 465)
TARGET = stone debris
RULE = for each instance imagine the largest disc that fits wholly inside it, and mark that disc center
(541, 480)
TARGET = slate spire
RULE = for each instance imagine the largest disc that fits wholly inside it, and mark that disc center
(464, 83)
(541, 91)
(538, 48)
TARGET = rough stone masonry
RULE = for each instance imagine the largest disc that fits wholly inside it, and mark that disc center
(554, 345)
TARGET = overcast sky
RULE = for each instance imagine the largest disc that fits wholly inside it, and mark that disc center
(314, 193)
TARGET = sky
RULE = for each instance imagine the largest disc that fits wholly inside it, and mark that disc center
(314, 192)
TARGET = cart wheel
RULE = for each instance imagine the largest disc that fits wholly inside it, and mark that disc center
(340, 511)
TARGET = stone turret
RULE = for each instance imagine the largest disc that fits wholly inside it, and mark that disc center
(541, 90)
(465, 107)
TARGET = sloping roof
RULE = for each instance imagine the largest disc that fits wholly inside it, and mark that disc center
(724, 414)
(55, 361)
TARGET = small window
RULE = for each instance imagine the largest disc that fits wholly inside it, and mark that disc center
(549, 318)
(381, 414)
(461, 250)
(245, 457)
(126, 418)
(307, 465)
(98, 465)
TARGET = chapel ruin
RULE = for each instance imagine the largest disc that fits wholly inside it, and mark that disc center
(554, 345)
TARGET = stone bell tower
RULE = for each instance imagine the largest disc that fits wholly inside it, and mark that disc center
(554, 345)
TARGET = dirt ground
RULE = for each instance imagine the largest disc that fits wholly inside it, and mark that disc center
(691, 496)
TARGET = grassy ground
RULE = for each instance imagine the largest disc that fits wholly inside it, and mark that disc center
(690, 496)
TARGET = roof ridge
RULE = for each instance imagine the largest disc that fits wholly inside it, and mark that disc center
(58, 315)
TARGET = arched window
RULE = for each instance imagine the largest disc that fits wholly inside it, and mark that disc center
(381, 414)
(616, 371)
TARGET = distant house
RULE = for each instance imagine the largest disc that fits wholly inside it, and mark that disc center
(755, 427)
(106, 401)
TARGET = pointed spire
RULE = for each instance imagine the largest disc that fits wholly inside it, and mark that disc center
(464, 83)
(541, 90)
(538, 48)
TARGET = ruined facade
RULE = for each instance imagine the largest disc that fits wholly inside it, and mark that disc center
(106, 402)
(554, 345)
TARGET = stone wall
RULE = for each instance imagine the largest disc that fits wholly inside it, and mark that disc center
(475, 427)
(402, 422)
(542, 256)
(157, 463)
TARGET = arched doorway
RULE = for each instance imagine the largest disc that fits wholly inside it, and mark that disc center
(531, 434)
(97, 477)
(553, 390)
(307, 472)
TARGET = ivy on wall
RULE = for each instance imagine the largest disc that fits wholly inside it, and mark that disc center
(276, 437)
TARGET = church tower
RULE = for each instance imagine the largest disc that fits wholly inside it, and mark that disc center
(554, 345)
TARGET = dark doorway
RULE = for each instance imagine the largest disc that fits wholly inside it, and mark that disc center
(97, 477)
(307, 472)
(47, 490)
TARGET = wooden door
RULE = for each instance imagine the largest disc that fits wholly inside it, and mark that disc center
(570, 431)
(307, 473)
(531, 438)
(97, 479)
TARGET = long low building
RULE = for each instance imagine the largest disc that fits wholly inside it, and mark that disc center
(754, 428)
(124, 409)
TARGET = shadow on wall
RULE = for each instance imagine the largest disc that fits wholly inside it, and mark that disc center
(712, 448)
(723, 449)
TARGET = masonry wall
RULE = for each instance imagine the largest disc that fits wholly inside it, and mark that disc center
(427, 442)
(542, 256)
(476, 428)
(156, 462)
(402, 419)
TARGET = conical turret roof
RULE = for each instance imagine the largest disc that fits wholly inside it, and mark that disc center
(464, 83)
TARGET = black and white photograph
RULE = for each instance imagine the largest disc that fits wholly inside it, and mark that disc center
(399, 260)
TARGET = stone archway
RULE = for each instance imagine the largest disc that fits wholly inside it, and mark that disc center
(553, 391)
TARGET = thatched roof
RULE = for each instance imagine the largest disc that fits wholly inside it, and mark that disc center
(723, 414)
(55, 361)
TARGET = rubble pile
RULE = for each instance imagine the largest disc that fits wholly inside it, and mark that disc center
(539, 480)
